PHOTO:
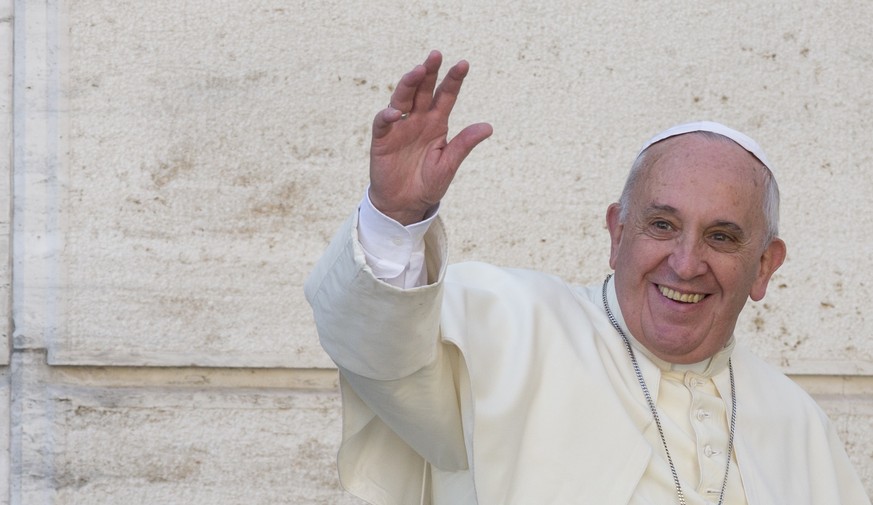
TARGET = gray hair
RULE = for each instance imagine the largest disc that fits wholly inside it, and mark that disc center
(771, 188)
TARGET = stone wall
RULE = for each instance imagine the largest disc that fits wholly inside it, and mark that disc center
(174, 169)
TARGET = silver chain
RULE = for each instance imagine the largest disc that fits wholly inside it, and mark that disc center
(648, 396)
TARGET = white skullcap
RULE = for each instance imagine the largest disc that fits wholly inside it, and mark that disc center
(742, 139)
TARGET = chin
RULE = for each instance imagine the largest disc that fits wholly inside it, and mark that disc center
(684, 352)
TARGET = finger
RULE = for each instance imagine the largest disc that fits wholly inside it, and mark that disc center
(424, 93)
(404, 94)
(464, 142)
(401, 101)
(447, 92)
(411, 83)
(383, 121)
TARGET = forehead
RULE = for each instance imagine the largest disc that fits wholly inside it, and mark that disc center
(694, 173)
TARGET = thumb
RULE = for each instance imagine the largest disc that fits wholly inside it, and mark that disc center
(464, 142)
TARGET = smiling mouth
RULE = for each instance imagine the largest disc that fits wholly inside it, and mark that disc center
(681, 297)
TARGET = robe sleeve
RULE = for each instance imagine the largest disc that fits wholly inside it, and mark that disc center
(399, 381)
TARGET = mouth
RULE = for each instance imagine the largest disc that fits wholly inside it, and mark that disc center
(677, 296)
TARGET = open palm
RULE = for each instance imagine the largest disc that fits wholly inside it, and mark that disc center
(412, 162)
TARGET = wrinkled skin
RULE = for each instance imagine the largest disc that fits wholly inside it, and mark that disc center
(695, 225)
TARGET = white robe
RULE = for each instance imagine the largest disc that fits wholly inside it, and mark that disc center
(512, 387)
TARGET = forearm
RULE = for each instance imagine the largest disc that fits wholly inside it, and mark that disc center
(367, 326)
(385, 341)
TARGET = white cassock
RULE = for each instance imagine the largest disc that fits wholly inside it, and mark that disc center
(500, 386)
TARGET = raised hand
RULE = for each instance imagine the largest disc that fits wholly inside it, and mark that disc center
(412, 163)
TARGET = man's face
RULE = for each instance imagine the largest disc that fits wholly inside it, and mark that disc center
(693, 247)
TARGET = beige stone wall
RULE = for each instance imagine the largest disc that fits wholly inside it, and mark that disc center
(170, 171)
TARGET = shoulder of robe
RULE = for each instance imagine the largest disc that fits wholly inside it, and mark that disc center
(515, 310)
(769, 396)
(488, 277)
(476, 286)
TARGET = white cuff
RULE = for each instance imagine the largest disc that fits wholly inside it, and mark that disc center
(391, 249)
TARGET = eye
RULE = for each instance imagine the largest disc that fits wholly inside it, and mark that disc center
(723, 241)
(660, 229)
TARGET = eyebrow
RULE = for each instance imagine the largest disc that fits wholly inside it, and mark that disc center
(655, 207)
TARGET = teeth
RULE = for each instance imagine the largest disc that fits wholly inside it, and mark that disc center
(680, 297)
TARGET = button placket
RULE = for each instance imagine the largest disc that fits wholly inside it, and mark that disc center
(702, 413)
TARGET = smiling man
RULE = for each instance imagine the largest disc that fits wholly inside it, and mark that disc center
(693, 237)
(476, 384)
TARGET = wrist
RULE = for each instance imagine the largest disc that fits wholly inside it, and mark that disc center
(405, 215)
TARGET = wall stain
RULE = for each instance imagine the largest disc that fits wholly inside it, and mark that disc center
(281, 201)
(759, 323)
(168, 171)
(315, 151)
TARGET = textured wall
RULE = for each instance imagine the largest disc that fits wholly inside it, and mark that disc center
(174, 169)
(5, 177)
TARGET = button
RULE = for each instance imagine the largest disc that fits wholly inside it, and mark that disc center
(709, 452)
(702, 415)
(692, 381)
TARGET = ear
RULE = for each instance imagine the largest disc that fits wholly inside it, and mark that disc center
(771, 260)
(613, 223)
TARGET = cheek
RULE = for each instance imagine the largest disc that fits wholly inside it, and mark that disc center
(624, 255)
(646, 253)
(740, 280)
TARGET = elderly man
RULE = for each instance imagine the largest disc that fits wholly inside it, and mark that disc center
(477, 384)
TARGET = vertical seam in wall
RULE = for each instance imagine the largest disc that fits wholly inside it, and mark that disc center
(19, 75)
(52, 190)
(19, 46)
(34, 177)
(35, 231)
(6, 141)
(19, 84)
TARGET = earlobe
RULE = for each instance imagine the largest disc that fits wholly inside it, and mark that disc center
(613, 223)
(771, 260)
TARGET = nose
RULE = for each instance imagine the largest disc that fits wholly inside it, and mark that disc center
(687, 259)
